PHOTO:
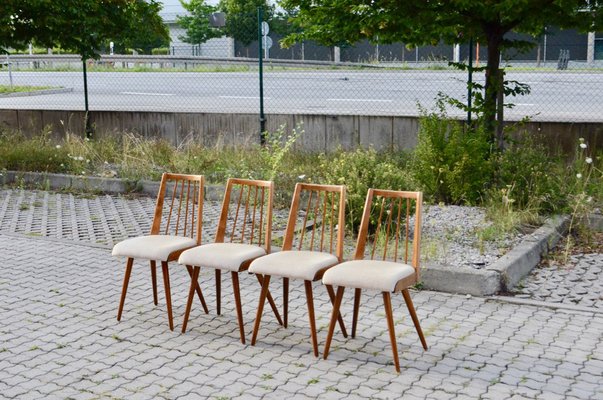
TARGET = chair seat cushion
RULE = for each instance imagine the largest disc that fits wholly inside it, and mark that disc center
(228, 256)
(152, 247)
(293, 264)
(368, 274)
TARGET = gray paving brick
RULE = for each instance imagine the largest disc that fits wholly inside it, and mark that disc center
(70, 344)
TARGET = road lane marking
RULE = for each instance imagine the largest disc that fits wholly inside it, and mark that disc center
(148, 94)
(363, 100)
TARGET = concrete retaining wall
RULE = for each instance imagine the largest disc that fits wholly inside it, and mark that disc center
(321, 132)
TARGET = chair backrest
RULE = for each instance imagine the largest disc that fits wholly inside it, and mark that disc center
(316, 219)
(391, 227)
(179, 206)
(246, 215)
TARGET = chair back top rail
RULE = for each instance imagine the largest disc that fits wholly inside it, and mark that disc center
(179, 206)
(321, 211)
(246, 215)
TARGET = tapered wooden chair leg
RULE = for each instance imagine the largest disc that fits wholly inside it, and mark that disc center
(331, 293)
(258, 316)
(357, 294)
(239, 307)
(334, 316)
(191, 295)
(285, 301)
(387, 302)
(154, 280)
(271, 302)
(218, 291)
(413, 315)
(168, 293)
(310, 301)
(189, 268)
(124, 289)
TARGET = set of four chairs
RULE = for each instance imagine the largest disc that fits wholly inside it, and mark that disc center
(386, 256)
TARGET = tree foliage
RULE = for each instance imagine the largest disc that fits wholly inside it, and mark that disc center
(146, 29)
(196, 24)
(242, 20)
(83, 26)
(451, 21)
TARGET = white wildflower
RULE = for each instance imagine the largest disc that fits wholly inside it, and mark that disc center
(579, 175)
(589, 160)
(583, 145)
(58, 146)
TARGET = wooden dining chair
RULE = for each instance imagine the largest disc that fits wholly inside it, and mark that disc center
(244, 234)
(176, 227)
(386, 259)
(313, 243)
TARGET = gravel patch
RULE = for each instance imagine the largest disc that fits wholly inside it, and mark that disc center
(451, 237)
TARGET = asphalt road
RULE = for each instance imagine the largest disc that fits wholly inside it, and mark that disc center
(555, 96)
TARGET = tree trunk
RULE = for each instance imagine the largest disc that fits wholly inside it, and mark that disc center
(494, 37)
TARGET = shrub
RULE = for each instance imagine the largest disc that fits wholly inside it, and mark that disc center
(160, 51)
(19, 153)
(534, 176)
(360, 170)
(450, 164)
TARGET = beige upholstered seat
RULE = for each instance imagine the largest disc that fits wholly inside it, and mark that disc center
(226, 256)
(176, 227)
(152, 247)
(243, 234)
(368, 274)
(309, 248)
(293, 264)
(386, 259)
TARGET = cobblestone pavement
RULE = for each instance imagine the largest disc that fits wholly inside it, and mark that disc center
(580, 282)
(59, 337)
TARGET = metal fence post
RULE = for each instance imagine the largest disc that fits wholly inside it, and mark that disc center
(87, 127)
(469, 81)
(261, 73)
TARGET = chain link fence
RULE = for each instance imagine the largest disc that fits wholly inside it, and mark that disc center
(564, 71)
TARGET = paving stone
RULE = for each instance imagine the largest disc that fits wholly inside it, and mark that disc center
(70, 344)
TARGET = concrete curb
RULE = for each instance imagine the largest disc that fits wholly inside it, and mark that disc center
(505, 272)
(38, 92)
(500, 276)
(520, 260)
(97, 184)
(595, 222)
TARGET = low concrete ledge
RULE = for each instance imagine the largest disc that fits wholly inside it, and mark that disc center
(520, 260)
(505, 273)
(98, 184)
(465, 280)
(595, 222)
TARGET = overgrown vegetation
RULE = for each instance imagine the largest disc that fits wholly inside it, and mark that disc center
(6, 89)
(451, 164)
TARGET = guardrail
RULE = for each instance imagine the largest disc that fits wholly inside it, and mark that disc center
(167, 59)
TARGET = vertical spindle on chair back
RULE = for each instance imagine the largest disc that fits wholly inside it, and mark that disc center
(179, 207)
(316, 219)
(246, 215)
(391, 227)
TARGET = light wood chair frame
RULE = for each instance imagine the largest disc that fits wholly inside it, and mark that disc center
(191, 228)
(334, 191)
(264, 223)
(401, 286)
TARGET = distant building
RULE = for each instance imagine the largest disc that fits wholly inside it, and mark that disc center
(219, 47)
